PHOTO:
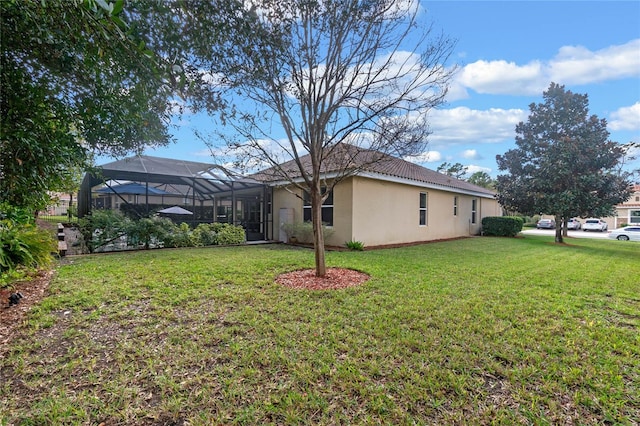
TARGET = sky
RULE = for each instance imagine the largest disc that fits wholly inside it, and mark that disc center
(508, 52)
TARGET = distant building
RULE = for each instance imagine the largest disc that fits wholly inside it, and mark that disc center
(60, 204)
(627, 212)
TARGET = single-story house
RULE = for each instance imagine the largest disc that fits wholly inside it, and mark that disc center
(391, 201)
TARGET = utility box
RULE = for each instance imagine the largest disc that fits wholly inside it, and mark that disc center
(286, 215)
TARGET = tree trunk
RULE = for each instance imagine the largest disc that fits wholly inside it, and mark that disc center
(565, 227)
(559, 229)
(69, 208)
(318, 236)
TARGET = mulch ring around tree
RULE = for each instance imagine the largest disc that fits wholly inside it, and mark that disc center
(336, 278)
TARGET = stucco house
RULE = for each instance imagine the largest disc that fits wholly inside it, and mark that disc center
(627, 212)
(391, 201)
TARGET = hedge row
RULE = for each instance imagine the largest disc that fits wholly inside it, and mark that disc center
(502, 226)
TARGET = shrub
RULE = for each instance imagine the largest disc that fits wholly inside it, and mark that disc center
(24, 245)
(354, 245)
(502, 226)
(17, 215)
(303, 231)
(204, 234)
(154, 230)
(173, 235)
(227, 233)
(102, 227)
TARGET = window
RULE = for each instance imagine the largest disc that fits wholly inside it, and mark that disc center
(474, 210)
(327, 209)
(423, 208)
(634, 217)
(455, 205)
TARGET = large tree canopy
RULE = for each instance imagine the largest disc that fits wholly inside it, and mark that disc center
(82, 77)
(314, 75)
(73, 81)
(564, 164)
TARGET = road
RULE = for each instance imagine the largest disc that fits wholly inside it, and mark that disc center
(571, 234)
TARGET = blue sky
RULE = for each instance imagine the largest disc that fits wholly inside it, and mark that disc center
(508, 52)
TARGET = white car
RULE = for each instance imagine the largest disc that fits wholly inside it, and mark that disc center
(574, 224)
(594, 225)
(628, 233)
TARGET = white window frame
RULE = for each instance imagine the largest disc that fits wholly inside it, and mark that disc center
(306, 207)
(423, 210)
(474, 211)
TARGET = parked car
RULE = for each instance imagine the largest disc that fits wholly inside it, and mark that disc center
(574, 224)
(625, 234)
(546, 224)
(593, 224)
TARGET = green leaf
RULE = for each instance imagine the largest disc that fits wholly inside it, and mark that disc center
(117, 8)
(106, 6)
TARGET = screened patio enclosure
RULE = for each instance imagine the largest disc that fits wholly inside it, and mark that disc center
(142, 185)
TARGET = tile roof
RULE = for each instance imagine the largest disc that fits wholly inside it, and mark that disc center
(372, 164)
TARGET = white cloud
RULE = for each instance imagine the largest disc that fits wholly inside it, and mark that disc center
(465, 125)
(472, 168)
(425, 157)
(502, 77)
(572, 65)
(471, 154)
(579, 65)
(626, 118)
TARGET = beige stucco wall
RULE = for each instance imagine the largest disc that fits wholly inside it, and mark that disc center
(284, 199)
(378, 212)
(388, 213)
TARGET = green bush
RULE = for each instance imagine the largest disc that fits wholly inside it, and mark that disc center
(179, 236)
(502, 226)
(227, 233)
(156, 231)
(204, 234)
(303, 231)
(102, 227)
(17, 215)
(105, 226)
(354, 245)
(24, 246)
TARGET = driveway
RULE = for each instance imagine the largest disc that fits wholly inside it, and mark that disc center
(571, 234)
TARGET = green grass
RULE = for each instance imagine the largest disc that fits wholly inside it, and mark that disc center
(473, 331)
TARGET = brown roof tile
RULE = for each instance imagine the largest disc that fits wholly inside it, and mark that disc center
(363, 161)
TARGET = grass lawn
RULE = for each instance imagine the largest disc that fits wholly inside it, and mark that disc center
(473, 331)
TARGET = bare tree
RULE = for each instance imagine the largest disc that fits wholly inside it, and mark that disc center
(348, 83)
